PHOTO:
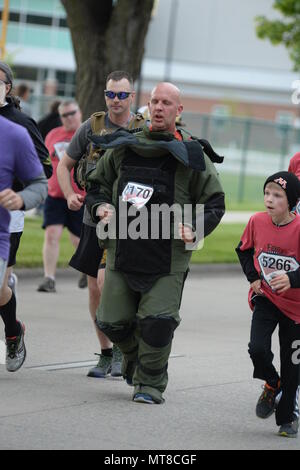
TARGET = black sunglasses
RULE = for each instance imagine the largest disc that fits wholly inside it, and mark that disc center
(122, 95)
(71, 113)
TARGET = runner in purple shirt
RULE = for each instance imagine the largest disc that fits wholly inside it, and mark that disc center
(18, 158)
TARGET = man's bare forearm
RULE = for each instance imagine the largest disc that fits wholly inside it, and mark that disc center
(64, 169)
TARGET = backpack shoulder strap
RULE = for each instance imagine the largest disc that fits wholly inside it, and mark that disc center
(98, 121)
(208, 150)
(136, 122)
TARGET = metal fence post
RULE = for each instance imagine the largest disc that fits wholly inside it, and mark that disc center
(284, 145)
(244, 150)
(205, 124)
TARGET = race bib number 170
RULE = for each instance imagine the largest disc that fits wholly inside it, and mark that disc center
(137, 194)
(273, 265)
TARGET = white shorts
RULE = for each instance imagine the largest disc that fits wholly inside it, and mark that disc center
(16, 221)
(3, 264)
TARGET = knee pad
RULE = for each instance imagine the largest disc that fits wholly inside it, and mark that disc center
(158, 331)
(116, 332)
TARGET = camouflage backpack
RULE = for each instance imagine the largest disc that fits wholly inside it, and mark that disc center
(88, 161)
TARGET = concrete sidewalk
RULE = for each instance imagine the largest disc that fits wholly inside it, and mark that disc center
(236, 217)
(210, 399)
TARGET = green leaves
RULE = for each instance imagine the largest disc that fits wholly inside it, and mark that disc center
(285, 31)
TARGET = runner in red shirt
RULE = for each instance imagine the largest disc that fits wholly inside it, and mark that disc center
(269, 253)
(57, 215)
(294, 167)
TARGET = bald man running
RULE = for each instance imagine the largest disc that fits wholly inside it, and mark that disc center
(158, 167)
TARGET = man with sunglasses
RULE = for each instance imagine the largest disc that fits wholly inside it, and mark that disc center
(57, 215)
(119, 96)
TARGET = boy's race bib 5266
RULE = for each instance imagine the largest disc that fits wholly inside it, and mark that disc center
(137, 194)
(272, 265)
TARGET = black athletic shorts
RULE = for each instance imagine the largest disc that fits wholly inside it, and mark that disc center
(14, 245)
(88, 255)
(56, 212)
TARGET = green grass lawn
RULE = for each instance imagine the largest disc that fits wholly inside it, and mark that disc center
(252, 197)
(30, 251)
(218, 247)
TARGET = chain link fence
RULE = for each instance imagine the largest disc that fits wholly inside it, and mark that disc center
(253, 150)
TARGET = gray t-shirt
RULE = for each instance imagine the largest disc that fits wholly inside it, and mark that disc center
(78, 147)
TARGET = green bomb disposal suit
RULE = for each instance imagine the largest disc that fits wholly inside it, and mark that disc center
(139, 308)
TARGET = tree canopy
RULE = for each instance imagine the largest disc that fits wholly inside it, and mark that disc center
(284, 31)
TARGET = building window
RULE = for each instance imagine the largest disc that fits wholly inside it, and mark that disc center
(284, 118)
(40, 20)
(63, 23)
(16, 17)
(25, 73)
(220, 110)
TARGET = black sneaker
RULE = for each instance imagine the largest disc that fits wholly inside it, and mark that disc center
(266, 404)
(289, 429)
(15, 351)
(48, 285)
(82, 283)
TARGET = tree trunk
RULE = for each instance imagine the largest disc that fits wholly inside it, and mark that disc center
(107, 35)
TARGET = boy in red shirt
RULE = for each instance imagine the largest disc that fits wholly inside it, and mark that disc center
(269, 253)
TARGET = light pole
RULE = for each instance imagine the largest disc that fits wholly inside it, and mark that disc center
(4, 19)
(171, 37)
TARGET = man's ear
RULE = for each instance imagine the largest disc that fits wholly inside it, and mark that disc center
(179, 109)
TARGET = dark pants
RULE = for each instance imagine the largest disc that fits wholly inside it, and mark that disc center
(266, 317)
(142, 325)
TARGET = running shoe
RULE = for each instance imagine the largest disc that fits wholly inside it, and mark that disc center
(82, 283)
(266, 404)
(143, 398)
(15, 351)
(102, 369)
(48, 285)
(289, 429)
